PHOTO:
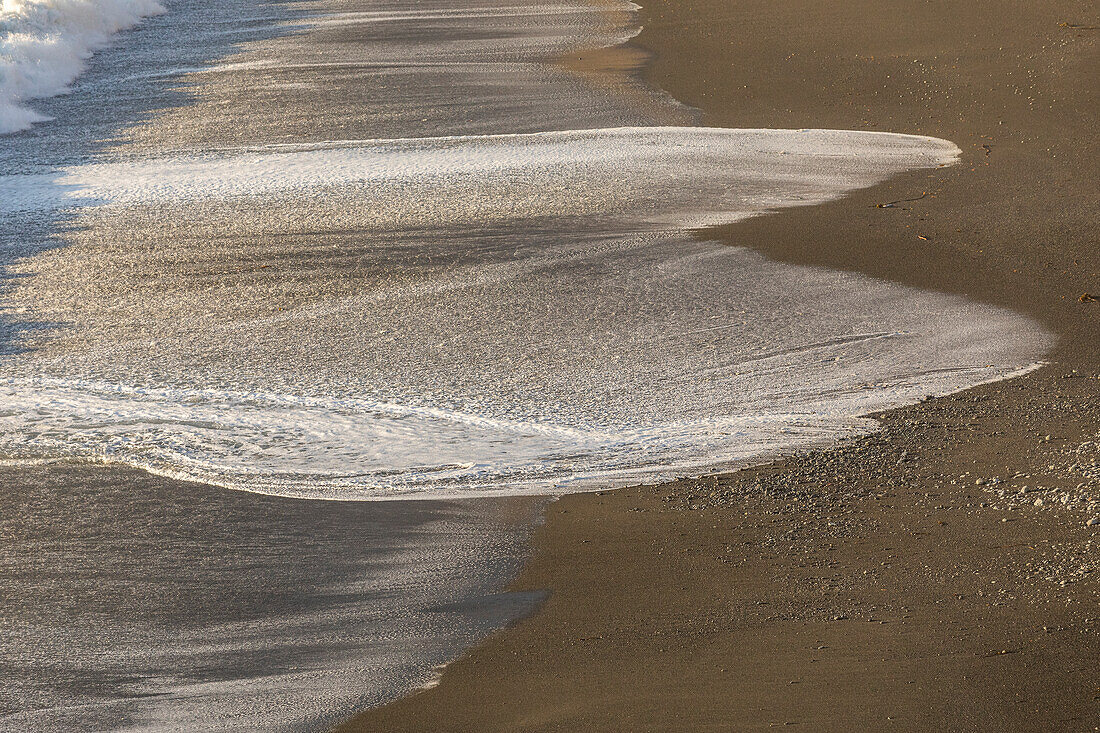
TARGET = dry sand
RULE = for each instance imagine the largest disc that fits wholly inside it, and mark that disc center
(908, 581)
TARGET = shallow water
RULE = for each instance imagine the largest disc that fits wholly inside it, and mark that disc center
(135, 603)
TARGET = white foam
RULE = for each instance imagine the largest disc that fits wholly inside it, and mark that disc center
(44, 45)
(478, 174)
(537, 12)
(599, 344)
(359, 449)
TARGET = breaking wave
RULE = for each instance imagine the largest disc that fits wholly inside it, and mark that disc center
(44, 45)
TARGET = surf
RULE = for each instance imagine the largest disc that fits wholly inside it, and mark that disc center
(46, 44)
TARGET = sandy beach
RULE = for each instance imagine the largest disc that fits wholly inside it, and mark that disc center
(309, 308)
(929, 577)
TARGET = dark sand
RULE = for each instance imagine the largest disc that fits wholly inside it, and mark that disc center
(875, 586)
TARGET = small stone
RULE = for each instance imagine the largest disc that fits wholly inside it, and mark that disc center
(1093, 522)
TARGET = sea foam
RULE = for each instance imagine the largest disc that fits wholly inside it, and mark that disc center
(468, 315)
(44, 45)
(627, 171)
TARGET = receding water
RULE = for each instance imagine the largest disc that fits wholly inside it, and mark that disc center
(133, 603)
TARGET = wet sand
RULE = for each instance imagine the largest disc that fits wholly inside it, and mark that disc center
(930, 577)
(135, 602)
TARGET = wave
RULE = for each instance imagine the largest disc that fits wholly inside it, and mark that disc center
(468, 315)
(44, 45)
(731, 172)
(328, 448)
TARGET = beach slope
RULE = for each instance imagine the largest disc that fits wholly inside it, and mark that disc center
(940, 575)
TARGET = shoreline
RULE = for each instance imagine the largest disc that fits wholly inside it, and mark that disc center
(929, 576)
(136, 601)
